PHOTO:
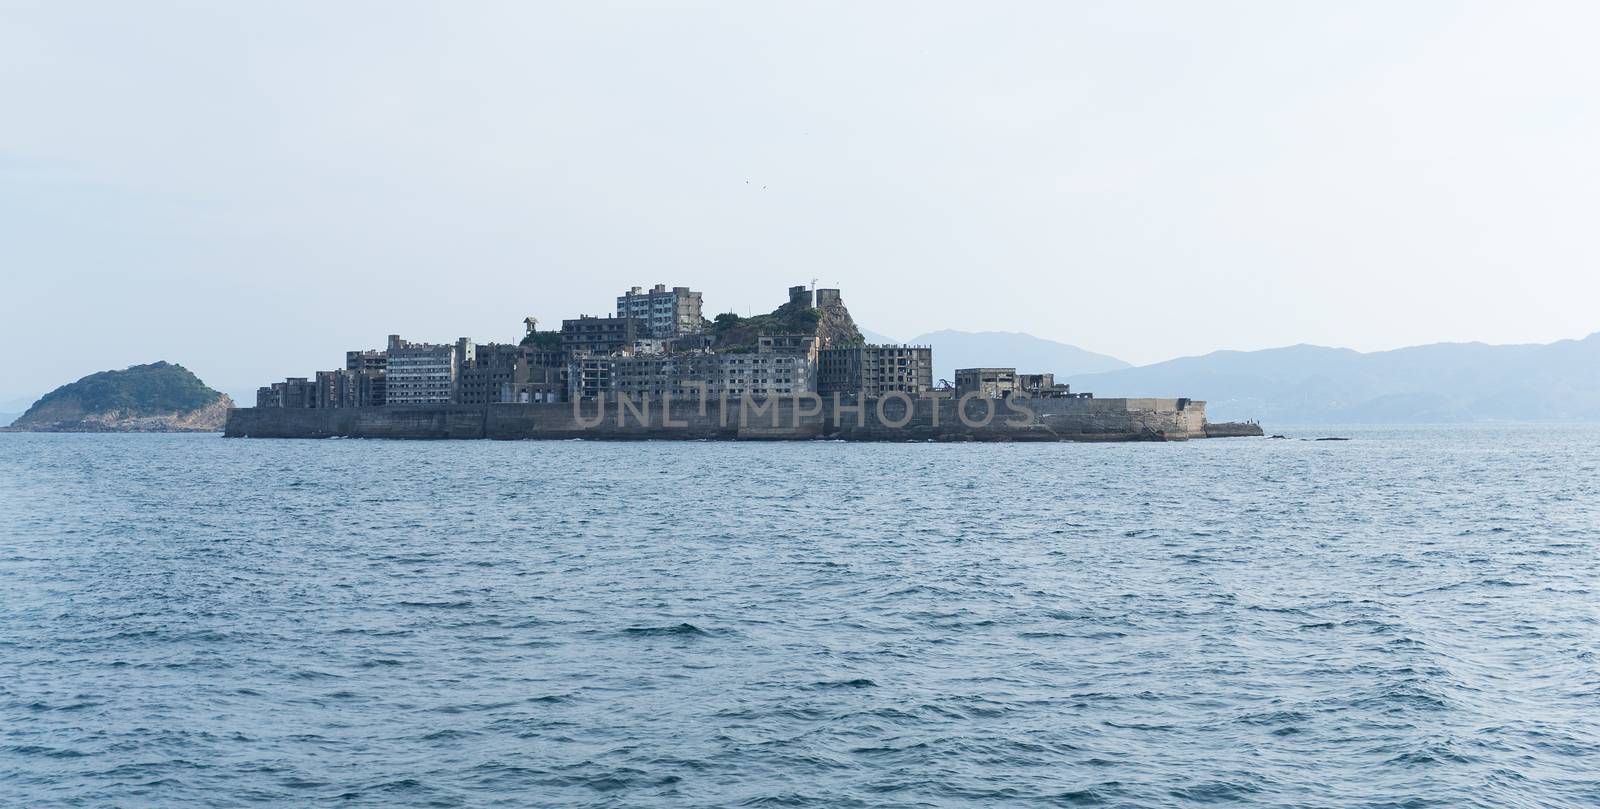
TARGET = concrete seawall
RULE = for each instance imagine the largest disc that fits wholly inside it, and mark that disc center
(888, 419)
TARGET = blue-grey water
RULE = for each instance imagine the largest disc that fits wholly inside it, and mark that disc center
(1407, 619)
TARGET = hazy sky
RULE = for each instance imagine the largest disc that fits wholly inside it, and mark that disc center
(253, 188)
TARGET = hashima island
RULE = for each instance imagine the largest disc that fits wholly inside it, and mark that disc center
(658, 369)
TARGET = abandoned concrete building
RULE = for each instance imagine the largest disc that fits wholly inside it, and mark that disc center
(873, 370)
(666, 312)
(654, 347)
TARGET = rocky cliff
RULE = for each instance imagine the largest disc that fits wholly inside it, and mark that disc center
(835, 326)
(160, 397)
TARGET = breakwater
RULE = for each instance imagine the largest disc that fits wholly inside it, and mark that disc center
(892, 418)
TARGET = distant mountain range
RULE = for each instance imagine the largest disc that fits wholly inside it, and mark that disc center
(1442, 382)
(966, 349)
(879, 338)
(1305, 384)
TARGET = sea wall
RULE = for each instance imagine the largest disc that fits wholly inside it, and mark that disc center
(894, 418)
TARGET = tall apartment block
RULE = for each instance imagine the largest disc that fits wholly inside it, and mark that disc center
(666, 312)
(424, 373)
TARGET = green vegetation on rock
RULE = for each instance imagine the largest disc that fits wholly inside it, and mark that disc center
(543, 340)
(786, 319)
(100, 400)
(834, 326)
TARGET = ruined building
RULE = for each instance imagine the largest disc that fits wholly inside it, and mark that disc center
(424, 373)
(874, 370)
(665, 312)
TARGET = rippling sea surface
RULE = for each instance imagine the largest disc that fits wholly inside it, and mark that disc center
(1407, 619)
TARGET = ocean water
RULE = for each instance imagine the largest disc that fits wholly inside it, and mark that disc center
(1407, 619)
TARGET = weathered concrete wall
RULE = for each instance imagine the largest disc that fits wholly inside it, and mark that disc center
(441, 421)
(888, 419)
(1232, 429)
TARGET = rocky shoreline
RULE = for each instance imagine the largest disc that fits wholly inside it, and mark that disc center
(211, 418)
(160, 397)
